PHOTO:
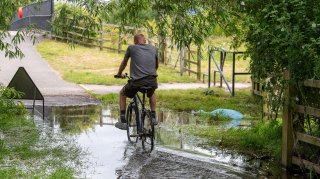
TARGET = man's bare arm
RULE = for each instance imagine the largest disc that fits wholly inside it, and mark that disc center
(123, 65)
(157, 62)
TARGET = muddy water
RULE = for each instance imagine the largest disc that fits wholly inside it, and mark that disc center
(177, 154)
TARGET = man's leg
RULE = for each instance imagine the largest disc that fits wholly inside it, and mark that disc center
(122, 102)
(122, 124)
(153, 103)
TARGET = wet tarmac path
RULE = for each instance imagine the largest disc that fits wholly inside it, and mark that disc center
(166, 163)
(110, 155)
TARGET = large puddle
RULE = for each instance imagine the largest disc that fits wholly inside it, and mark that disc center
(93, 128)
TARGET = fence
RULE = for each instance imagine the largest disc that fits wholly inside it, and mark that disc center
(110, 37)
(294, 135)
(190, 60)
(223, 53)
(258, 88)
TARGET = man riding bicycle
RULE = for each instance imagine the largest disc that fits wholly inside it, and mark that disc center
(143, 72)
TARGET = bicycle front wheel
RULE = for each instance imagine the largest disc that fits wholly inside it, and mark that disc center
(132, 132)
(148, 136)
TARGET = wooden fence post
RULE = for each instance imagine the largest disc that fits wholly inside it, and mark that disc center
(199, 63)
(182, 53)
(163, 48)
(100, 40)
(120, 43)
(189, 59)
(186, 56)
(165, 54)
(287, 128)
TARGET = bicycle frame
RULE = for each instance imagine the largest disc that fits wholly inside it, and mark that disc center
(137, 100)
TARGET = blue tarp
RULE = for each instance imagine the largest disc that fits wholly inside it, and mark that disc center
(228, 113)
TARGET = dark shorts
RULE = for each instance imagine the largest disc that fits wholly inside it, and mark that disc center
(132, 87)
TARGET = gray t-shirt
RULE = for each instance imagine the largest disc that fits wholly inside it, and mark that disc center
(143, 60)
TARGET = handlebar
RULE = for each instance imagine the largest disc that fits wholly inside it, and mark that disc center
(123, 77)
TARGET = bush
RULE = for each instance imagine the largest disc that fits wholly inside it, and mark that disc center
(74, 24)
(8, 107)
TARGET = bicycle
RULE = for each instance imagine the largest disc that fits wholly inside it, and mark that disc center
(139, 126)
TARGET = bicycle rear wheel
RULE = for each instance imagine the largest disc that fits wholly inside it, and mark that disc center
(147, 138)
(132, 133)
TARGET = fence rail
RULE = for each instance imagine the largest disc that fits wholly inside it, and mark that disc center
(291, 135)
(110, 38)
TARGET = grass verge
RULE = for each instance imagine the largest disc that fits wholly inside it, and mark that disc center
(31, 150)
(195, 99)
(260, 140)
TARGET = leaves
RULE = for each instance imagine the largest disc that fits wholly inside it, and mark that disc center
(184, 21)
(282, 35)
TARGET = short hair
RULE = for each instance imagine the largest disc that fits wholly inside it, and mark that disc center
(138, 36)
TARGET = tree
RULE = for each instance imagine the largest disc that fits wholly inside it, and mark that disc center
(184, 21)
(283, 36)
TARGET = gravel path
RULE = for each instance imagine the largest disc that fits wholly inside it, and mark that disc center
(104, 89)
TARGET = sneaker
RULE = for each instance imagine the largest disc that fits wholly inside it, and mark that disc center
(122, 126)
(154, 121)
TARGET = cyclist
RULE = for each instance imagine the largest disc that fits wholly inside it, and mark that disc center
(143, 72)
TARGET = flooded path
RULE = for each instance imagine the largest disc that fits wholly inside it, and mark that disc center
(177, 154)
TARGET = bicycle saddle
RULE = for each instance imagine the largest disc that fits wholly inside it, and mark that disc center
(145, 88)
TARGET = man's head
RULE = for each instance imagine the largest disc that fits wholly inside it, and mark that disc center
(139, 39)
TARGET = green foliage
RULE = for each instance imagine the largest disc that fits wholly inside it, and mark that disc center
(8, 108)
(74, 23)
(116, 13)
(282, 36)
(184, 21)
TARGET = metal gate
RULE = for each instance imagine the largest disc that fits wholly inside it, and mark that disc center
(38, 14)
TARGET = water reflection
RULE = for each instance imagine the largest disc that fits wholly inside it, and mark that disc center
(94, 128)
(79, 119)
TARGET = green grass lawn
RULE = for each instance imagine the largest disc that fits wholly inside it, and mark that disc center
(91, 66)
(88, 65)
